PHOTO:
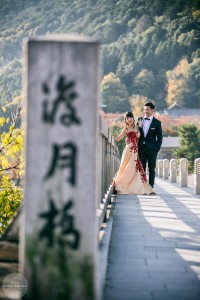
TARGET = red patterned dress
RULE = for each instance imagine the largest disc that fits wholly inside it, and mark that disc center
(131, 178)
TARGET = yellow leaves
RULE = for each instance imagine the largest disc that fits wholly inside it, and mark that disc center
(110, 77)
(10, 199)
(137, 103)
(2, 121)
(15, 149)
(4, 162)
(196, 14)
(7, 208)
(177, 81)
(3, 109)
(5, 138)
(11, 127)
(21, 172)
(11, 153)
(18, 139)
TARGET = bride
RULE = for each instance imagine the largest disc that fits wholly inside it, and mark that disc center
(131, 178)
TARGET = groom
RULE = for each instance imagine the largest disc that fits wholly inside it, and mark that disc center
(150, 140)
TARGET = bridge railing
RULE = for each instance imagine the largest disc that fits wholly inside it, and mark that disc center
(109, 164)
(178, 172)
(109, 161)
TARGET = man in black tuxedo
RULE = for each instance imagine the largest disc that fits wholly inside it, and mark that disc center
(150, 140)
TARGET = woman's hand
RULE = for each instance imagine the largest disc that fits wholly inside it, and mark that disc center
(120, 136)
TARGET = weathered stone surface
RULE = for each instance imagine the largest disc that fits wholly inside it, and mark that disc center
(61, 175)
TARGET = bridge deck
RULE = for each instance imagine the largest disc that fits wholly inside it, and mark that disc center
(155, 246)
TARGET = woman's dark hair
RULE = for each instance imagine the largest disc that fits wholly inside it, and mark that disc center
(128, 114)
(151, 105)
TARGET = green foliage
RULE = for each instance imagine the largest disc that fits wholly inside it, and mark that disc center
(10, 81)
(11, 168)
(115, 131)
(10, 200)
(114, 94)
(189, 137)
(150, 35)
(11, 147)
(182, 83)
(144, 83)
(191, 94)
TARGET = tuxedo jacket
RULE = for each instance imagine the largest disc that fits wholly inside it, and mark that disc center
(153, 139)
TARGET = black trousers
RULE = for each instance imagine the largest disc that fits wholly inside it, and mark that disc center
(150, 158)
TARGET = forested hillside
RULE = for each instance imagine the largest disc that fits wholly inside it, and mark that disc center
(150, 49)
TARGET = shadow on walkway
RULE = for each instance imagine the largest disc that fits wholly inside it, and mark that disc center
(155, 246)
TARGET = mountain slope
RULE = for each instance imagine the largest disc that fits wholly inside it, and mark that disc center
(141, 41)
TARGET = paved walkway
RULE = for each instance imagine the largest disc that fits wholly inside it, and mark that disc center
(155, 246)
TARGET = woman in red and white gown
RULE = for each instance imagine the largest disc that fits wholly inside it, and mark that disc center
(131, 178)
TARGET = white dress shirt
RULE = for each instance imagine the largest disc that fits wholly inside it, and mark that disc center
(146, 125)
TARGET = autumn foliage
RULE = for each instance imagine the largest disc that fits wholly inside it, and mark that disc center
(170, 125)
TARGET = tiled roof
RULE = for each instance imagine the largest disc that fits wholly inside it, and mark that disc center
(176, 110)
(170, 142)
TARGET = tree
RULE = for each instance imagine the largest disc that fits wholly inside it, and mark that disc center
(135, 35)
(191, 94)
(137, 104)
(114, 94)
(189, 137)
(112, 30)
(11, 168)
(144, 83)
(115, 131)
(10, 200)
(183, 82)
(11, 146)
(177, 82)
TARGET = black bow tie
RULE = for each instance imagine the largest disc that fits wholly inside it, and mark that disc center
(147, 119)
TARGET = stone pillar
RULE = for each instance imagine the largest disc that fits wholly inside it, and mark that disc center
(58, 246)
(156, 170)
(166, 168)
(160, 168)
(173, 170)
(197, 176)
(183, 172)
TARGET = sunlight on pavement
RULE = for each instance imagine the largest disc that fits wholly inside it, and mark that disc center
(192, 204)
(161, 214)
(155, 209)
(181, 238)
(196, 269)
(189, 255)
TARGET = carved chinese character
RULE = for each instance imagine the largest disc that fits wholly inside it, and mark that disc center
(63, 157)
(67, 225)
(65, 96)
(49, 227)
(68, 235)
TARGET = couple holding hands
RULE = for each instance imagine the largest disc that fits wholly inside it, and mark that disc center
(143, 141)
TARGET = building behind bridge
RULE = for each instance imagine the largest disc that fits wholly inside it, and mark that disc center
(175, 110)
(169, 144)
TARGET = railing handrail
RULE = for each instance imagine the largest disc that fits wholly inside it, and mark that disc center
(109, 164)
